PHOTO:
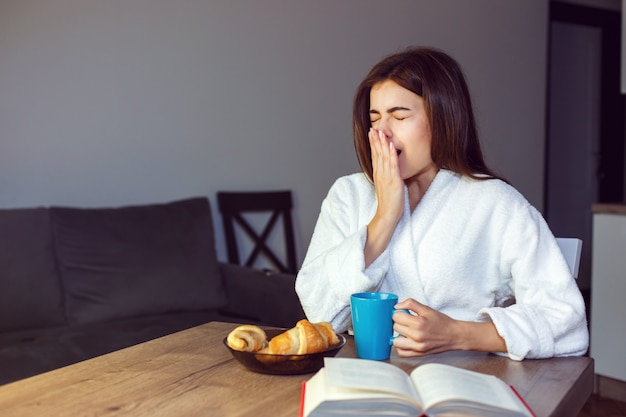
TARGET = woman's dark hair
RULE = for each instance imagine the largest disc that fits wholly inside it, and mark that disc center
(439, 80)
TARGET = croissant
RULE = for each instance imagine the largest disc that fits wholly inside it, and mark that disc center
(304, 338)
(247, 338)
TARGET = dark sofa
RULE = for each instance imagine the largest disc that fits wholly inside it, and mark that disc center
(81, 282)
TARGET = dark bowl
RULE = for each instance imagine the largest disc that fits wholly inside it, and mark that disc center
(284, 364)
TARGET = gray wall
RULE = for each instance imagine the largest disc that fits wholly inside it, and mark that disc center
(132, 101)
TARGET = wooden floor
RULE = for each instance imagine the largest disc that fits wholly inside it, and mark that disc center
(608, 399)
(598, 406)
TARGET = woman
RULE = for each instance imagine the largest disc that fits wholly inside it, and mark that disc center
(428, 220)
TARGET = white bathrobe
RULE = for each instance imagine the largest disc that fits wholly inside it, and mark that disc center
(467, 248)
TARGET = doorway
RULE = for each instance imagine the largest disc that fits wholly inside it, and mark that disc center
(586, 121)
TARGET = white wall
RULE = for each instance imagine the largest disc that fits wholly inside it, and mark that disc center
(133, 101)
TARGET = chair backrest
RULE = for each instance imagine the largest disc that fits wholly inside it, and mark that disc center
(571, 248)
(233, 206)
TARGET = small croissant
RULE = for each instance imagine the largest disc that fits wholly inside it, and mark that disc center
(247, 338)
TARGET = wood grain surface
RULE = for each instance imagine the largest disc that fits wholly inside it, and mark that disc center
(191, 373)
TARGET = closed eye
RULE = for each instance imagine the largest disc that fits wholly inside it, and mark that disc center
(399, 113)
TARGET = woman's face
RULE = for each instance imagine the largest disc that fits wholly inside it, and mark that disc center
(401, 115)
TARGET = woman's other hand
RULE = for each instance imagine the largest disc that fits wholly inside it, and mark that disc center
(387, 181)
(389, 194)
(429, 331)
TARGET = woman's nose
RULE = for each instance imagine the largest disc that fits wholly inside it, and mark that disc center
(387, 133)
(385, 128)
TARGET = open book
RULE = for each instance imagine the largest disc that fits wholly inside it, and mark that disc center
(359, 387)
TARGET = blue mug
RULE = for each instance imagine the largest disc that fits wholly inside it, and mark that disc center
(373, 324)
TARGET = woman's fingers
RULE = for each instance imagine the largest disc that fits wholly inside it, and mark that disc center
(387, 181)
(428, 331)
(384, 156)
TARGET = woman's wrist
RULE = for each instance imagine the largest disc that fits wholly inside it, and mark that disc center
(479, 336)
(379, 234)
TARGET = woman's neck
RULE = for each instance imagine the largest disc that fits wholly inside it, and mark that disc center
(418, 184)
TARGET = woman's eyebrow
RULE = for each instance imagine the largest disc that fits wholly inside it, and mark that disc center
(391, 110)
(398, 108)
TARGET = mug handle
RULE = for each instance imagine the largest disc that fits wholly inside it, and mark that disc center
(395, 335)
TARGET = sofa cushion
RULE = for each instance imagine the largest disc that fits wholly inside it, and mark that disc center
(137, 260)
(30, 292)
(30, 352)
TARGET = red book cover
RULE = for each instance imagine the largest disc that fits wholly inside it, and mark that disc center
(302, 399)
(523, 401)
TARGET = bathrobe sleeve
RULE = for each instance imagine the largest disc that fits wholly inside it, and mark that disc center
(334, 267)
(548, 318)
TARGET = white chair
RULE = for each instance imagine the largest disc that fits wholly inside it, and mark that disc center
(571, 248)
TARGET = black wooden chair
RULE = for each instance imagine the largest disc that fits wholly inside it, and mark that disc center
(234, 206)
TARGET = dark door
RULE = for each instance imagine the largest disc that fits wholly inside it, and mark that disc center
(586, 113)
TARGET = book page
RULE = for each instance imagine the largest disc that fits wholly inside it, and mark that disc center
(321, 399)
(438, 382)
(369, 375)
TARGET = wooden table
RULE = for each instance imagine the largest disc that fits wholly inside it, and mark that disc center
(191, 373)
